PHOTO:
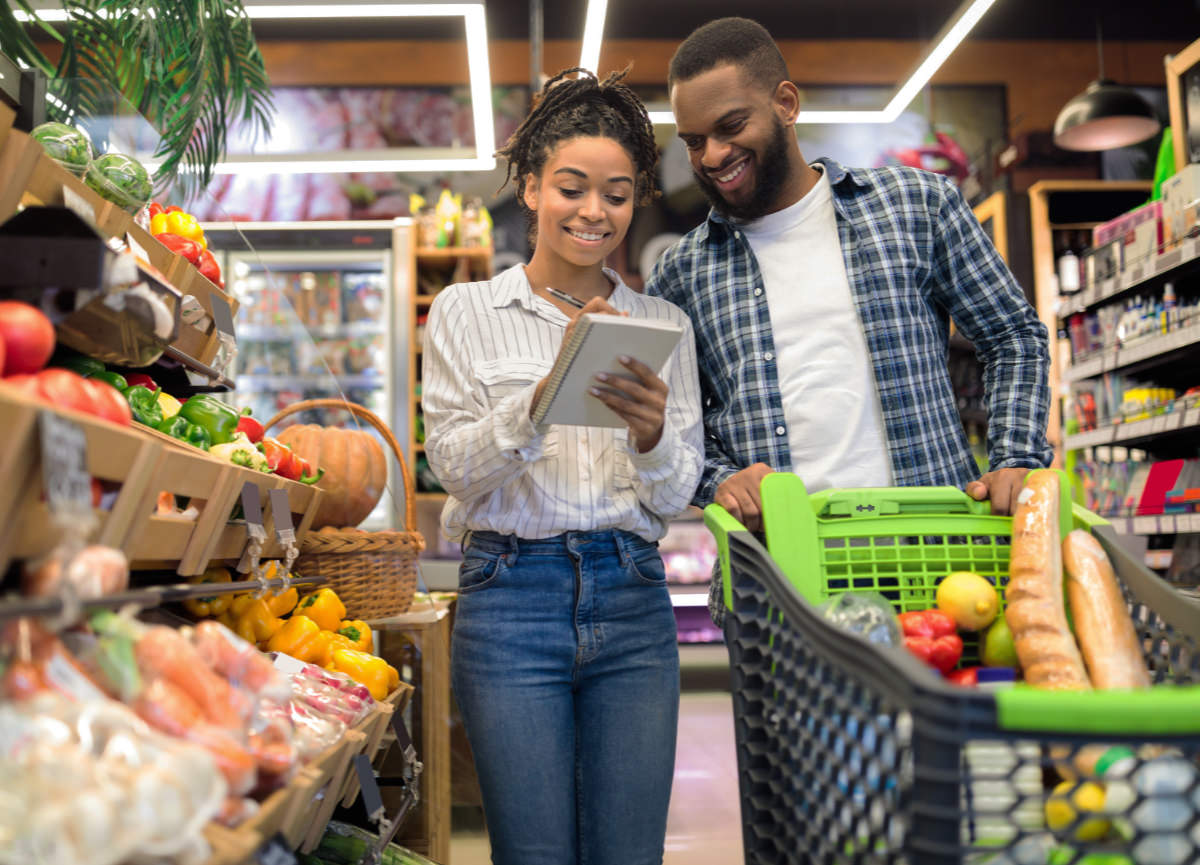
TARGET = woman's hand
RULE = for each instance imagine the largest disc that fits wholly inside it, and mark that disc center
(640, 401)
(597, 305)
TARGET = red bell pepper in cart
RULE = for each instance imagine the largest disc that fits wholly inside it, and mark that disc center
(932, 636)
(250, 426)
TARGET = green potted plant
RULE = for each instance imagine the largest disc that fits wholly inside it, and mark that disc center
(190, 67)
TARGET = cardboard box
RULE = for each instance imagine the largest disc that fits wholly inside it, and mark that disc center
(1179, 191)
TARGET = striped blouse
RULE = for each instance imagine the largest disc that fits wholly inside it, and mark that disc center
(487, 344)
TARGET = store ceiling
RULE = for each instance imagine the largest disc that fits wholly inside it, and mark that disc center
(1167, 20)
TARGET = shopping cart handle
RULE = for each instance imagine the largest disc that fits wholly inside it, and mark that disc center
(722, 524)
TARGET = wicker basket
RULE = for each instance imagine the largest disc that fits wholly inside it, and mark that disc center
(374, 573)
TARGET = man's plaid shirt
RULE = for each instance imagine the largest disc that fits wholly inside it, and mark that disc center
(915, 257)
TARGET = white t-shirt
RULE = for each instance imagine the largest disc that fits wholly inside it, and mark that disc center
(835, 425)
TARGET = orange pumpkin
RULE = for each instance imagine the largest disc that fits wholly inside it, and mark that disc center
(355, 470)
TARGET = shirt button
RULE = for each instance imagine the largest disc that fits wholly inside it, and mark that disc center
(769, 356)
(737, 234)
(758, 292)
(780, 430)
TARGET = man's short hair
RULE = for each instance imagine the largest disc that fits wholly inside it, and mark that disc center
(739, 41)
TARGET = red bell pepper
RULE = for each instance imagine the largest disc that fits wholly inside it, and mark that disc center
(968, 676)
(251, 427)
(135, 378)
(208, 267)
(189, 249)
(280, 458)
(932, 636)
(155, 209)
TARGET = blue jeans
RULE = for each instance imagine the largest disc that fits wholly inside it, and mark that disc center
(565, 666)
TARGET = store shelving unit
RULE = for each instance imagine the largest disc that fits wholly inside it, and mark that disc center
(430, 270)
(1064, 206)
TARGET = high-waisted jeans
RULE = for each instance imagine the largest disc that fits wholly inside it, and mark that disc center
(566, 670)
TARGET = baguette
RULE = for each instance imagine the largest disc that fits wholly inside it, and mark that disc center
(1035, 611)
(1102, 623)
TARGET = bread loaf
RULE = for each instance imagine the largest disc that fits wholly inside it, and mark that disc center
(1034, 609)
(1102, 624)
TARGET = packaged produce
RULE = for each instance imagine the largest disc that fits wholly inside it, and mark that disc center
(120, 179)
(90, 572)
(69, 146)
(240, 662)
(313, 732)
(331, 695)
(868, 614)
(932, 636)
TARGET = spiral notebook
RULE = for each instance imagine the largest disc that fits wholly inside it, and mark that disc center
(595, 344)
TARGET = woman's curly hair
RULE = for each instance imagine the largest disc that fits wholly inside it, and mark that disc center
(570, 108)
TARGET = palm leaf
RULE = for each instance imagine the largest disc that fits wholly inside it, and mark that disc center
(189, 66)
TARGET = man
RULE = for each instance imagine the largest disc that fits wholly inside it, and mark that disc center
(821, 298)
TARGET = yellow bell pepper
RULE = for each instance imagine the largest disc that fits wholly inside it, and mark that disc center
(393, 678)
(324, 607)
(363, 668)
(280, 603)
(158, 224)
(169, 405)
(253, 619)
(184, 225)
(358, 633)
(331, 641)
(209, 605)
(299, 637)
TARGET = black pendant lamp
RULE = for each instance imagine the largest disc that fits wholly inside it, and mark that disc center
(1104, 116)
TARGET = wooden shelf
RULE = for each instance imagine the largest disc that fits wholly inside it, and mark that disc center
(449, 253)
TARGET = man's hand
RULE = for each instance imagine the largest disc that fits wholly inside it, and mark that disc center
(740, 495)
(1001, 486)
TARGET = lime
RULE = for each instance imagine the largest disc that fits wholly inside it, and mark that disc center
(998, 649)
(969, 599)
(1069, 802)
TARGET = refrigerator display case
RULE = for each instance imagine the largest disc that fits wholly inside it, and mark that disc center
(322, 315)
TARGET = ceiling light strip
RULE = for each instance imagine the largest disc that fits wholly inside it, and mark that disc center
(593, 35)
(960, 24)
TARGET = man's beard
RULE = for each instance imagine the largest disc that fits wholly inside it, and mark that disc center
(771, 170)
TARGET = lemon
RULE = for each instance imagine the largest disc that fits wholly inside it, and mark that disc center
(969, 599)
(1069, 802)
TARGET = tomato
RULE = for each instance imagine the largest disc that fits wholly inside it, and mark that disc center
(109, 403)
(28, 337)
(65, 389)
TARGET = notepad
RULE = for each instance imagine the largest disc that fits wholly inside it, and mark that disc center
(594, 346)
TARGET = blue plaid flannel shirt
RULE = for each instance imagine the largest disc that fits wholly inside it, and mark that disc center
(915, 257)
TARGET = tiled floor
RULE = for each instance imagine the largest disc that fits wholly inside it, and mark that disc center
(703, 825)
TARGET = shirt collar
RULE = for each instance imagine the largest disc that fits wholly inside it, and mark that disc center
(512, 286)
(835, 171)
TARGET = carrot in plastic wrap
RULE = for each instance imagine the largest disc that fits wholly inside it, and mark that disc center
(163, 652)
(171, 710)
(239, 662)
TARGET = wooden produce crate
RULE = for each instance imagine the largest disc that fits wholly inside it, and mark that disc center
(316, 795)
(271, 817)
(231, 846)
(27, 528)
(374, 727)
(7, 115)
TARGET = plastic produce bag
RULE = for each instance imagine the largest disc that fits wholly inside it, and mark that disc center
(868, 614)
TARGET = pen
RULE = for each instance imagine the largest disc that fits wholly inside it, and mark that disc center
(566, 298)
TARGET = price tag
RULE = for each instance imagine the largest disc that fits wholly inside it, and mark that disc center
(1192, 417)
(371, 797)
(1193, 523)
(1158, 424)
(222, 315)
(1145, 525)
(64, 465)
(79, 205)
(1166, 524)
(281, 513)
(275, 852)
(1174, 420)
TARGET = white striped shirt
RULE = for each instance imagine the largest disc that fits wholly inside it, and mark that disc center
(487, 344)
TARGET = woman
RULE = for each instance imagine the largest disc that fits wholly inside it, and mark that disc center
(565, 664)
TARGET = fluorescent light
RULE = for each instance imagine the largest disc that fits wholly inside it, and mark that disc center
(946, 41)
(593, 35)
(477, 66)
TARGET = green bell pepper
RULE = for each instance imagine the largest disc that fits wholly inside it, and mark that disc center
(114, 378)
(178, 428)
(88, 367)
(144, 404)
(218, 419)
